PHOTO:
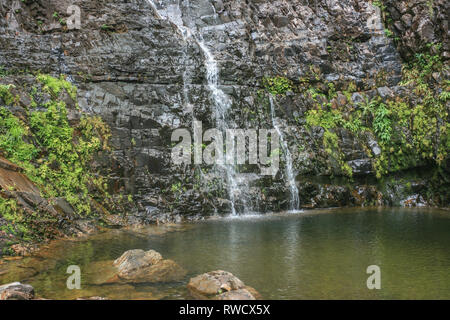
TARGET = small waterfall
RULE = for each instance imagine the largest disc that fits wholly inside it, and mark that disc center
(222, 103)
(295, 200)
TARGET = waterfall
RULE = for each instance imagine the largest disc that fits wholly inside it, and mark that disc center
(222, 103)
(294, 199)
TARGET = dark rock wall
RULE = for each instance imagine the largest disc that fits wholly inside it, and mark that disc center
(417, 23)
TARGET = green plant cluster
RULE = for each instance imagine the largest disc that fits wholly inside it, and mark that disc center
(55, 155)
(11, 212)
(55, 85)
(278, 85)
(409, 133)
(6, 95)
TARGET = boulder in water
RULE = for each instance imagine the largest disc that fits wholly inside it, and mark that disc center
(221, 285)
(16, 291)
(146, 266)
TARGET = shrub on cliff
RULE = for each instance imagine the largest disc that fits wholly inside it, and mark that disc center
(55, 153)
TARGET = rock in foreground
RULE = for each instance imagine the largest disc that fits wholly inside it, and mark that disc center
(16, 291)
(147, 266)
(220, 285)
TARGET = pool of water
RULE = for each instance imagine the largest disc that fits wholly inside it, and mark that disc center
(310, 255)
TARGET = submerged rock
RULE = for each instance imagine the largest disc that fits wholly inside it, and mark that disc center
(221, 285)
(146, 266)
(16, 291)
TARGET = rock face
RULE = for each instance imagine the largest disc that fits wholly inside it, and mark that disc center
(16, 186)
(147, 266)
(16, 291)
(134, 68)
(221, 285)
(417, 23)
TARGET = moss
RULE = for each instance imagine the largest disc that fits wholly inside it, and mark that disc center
(409, 134)
(6, 95)
(278, 85)
(55, 85)
(15, 219)
(55, 155)
(12, 134)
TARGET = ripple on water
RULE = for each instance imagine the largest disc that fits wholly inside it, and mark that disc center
(317, 254)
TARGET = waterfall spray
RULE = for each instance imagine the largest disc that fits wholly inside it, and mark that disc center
(222, 103)
(294, 199)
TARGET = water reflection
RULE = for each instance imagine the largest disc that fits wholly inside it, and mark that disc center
(321, 255)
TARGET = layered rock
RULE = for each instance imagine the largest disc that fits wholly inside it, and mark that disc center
(418, 23)
(134, 68)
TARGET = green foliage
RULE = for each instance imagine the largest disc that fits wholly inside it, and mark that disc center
(10, 211)
(12, 134)
(277, 85)
(5, 93)
(325, 119)
(409, 134)
(64, 170)
(423, 65)
(430, 4)
(379, 4)
(382, 124)
(3, 72)
(329, 120)
(176, 187)
(58, 159)
(388, 33)
(54, 85)
(106, 27)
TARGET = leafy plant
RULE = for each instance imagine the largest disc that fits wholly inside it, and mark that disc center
(5, 93)
(59, 158)
(277, 85)
(55, 85)
(382, 124)
(12, 134)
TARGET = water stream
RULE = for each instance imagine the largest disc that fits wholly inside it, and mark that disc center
(289, 170)
(221, 102)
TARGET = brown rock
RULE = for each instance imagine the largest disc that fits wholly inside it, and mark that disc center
(16, 291)
(253, 292)
(140, 266)
(240, 294)
(221, 285)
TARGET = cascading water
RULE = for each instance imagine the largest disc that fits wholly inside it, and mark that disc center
(222, 103)
(295, 200)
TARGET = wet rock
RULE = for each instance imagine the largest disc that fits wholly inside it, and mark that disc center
(220, 285)
(16, 291)
(384, 92)
(124, 78)
(361, 166)
(147, 266)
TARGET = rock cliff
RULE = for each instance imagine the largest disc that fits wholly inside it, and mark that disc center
(360, 92)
